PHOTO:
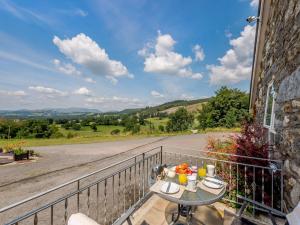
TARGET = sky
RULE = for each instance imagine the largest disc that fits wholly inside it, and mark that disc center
(116, 54)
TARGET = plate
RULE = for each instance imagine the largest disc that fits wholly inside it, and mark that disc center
(169, 188)
(213, 183)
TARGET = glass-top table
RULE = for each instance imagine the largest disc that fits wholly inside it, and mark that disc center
(189, 199)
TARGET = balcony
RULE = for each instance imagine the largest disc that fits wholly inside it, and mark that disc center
(120, 193)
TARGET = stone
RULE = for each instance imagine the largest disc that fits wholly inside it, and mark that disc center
(286, 121)
(296, 104)
(295, 194)
(289, 87)
(280, 63)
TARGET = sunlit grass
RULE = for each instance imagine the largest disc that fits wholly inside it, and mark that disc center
(86, 135)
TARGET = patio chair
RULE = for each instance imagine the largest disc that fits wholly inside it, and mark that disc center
(81, 219)
(238, 219)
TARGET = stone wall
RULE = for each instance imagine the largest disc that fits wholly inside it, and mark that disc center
(281, 64)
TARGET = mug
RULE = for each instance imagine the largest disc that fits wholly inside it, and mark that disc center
(210, 170)
(192, 181)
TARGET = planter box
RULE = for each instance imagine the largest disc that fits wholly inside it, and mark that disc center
(21, 156)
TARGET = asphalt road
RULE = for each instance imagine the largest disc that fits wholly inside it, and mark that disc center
(59, 164)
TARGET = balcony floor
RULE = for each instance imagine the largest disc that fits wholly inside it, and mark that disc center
(157, 211)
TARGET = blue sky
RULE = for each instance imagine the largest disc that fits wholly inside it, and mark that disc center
(112, 55)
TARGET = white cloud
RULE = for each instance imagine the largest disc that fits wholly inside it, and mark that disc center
(114, 99)
(82, 50)
(69, 69)
(50, 92)
(156, 94)
(13, 93)
(162, 59)
(254, 3)
(66, 68)
(82, 91)
(187, 97)
(235, 65)
(199, 53)
(113, 103)
(89, 80)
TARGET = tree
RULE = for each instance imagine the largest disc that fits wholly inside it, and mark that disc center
(161, 128)
(94, 127)
(227, 109)
(76, 126)
(131, 124)
(181, 120)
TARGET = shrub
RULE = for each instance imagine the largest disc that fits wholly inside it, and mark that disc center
(19, 151)
(94, 127)
(115, 132)
(161, 128)
(76, 126)
(70, 135)
(131, 124)
(252, 144)
(57, 135)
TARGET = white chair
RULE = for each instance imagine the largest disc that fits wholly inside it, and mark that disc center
(81, 219)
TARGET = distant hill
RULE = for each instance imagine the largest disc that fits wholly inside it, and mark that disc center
(168, 107)
(47, 113)
(190, 108)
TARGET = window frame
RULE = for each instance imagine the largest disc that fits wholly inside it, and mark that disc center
(271, 126)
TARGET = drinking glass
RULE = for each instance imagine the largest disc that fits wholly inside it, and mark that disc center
(202, 172)
(182, 178)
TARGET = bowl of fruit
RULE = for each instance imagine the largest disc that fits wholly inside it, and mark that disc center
(183, 169)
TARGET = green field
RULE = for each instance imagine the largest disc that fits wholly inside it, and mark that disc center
(86, 135)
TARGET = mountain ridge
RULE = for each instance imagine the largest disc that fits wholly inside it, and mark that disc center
(75, 111)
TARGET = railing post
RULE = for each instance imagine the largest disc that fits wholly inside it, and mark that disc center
(134, 186)
(78, 187)
(143, 174)
(161, 155)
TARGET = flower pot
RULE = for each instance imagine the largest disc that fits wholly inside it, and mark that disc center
(21, 156)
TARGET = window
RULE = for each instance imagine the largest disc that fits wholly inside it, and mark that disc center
(269, 108)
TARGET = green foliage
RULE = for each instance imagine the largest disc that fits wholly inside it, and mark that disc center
(19, 151)
(76, 126)
(181, 120)
(131, 124)
(115, 132)
(94, 127)
(161, 128)
(27, 129)
(227, 109)
(70, 135)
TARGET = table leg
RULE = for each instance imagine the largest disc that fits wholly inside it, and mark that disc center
(183, 210)
(175, 219)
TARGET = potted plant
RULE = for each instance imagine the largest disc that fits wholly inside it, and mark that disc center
(20, 154)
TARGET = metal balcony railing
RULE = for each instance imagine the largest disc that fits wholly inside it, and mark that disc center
(111, 194)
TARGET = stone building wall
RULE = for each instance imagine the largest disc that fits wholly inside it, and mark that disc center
(281, 64)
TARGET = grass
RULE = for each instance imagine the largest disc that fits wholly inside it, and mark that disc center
(87, 131)
(86, 135)
(156, 121)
